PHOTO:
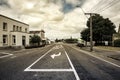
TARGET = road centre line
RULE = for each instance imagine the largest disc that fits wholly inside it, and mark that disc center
(88, 53)
(76, 75)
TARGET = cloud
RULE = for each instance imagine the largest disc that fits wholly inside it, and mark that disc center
(4, 3)
(61, 18)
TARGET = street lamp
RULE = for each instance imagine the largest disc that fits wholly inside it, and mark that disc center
(91, 31)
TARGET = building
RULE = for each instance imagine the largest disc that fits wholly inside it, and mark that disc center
(13, 32)
(40, 33)
(117, 35)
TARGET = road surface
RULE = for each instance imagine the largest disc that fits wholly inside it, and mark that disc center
(57, 62)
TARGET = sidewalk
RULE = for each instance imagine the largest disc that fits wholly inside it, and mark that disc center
(108, 52)
(111, 52)
(108, 48)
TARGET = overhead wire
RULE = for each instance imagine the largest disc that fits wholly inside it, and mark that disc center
(83, 12)
(110, 5)
(97, 5)
(102, 4)
(104, 7)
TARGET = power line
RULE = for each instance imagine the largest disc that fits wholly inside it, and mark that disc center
(110, 5)
(98, 4)
(103, 5)
(83, 12)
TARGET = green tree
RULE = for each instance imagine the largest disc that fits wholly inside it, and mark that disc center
(35, 39)
(71, 40)
(103, 29)
(85, 34)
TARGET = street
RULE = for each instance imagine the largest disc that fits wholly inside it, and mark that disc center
(57, 62)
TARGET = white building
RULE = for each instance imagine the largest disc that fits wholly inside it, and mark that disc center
(13, 32)
(41, 34)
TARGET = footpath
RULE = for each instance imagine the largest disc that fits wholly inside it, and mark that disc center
(109, 52)
(103, 51)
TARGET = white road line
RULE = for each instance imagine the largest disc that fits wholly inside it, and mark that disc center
(76, 75)
(37, 60)
(49, 70)
(13, 57)
(88, 53)
(8, 54)
(53, 70)
(46, 70)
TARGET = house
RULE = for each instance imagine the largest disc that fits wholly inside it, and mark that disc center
(117, 35)
(13, 32)
(41, 34)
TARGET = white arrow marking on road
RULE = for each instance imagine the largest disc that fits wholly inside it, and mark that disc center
(54, 55)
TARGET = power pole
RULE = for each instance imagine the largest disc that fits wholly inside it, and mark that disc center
(91, 31)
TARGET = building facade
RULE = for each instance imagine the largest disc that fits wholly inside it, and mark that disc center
(41, 34)
(13, 32)
(117, 35)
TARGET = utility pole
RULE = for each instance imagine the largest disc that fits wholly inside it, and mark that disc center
(91, 31)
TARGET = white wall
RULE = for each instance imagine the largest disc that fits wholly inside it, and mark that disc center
(10, 32)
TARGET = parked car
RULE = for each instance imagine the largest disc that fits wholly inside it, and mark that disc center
(80, 45)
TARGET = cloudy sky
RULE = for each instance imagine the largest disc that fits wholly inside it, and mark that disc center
(59, 18)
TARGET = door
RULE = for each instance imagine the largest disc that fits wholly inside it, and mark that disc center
(23, 40)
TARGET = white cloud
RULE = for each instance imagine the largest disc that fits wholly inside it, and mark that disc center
(48, 15)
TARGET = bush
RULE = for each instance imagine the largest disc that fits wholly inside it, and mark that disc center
(117, 43)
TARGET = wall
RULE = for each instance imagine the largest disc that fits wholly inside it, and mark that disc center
(9, 32)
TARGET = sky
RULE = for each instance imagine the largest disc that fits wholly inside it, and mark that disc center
(59, 18)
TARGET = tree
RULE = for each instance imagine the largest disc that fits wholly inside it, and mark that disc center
(103, 29)
(71, 40)
(85, 34)
(35, 39)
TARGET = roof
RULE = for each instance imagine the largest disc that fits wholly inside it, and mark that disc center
(36, 32)
(14, 19)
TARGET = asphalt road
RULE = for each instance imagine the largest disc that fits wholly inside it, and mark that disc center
(57, 62)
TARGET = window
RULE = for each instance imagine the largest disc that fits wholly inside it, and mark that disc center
(4, 39)
(13, 27)
(25, 29)
(4, 26)
(20, 28)
(17, 28)
(13, 39)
